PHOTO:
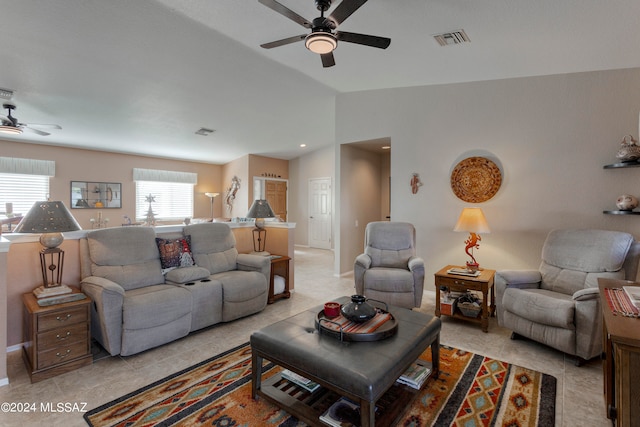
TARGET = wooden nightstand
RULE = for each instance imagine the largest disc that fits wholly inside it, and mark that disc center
(280, 267)
(482, 283)
(57, 338)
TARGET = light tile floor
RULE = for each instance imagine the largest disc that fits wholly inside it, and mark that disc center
(580, 400)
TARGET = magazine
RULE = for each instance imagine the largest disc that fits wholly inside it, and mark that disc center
(415, 375)
(343, 413)
(633, 292)
(299, 380)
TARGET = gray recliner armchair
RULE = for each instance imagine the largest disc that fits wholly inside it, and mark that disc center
(559, 304)
(389, 269)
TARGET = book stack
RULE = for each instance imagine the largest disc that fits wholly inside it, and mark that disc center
(463, 272)
(343, 413)
(300, 381)
(415, 376)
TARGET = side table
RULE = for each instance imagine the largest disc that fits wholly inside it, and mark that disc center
(280, 267)
(57, 338)
(459, 283)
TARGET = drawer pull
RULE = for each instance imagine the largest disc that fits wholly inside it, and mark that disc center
(63, 319)
(64, 337)
(62, 356)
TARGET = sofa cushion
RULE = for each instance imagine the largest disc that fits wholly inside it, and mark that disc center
(389, 280)
(154, 306)
(601, 250)
(174, 253)
(125, 255)
(186, 274)
(541, 306)
(213, 246)
(389, 244)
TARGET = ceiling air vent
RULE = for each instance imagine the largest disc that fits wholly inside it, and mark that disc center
(452, 37)
(204, 131)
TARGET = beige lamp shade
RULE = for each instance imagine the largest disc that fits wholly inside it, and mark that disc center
(473, 221)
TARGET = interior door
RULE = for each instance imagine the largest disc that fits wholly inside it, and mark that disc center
(320, 213)
(276, 194)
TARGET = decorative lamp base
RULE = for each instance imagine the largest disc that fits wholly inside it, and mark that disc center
(472, 267)
(42, 292)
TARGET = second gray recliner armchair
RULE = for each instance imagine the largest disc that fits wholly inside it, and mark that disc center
(559, 304)
(389, 269)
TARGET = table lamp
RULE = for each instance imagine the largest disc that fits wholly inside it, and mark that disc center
(212, 196)
(473, 221)
(260, 210)
(50, 219)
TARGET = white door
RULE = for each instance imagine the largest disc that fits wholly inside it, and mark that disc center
(320, 213)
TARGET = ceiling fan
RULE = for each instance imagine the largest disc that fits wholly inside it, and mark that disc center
(10, 124)
(322, 39)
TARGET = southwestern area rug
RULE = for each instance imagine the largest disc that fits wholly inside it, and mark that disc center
(471, 390)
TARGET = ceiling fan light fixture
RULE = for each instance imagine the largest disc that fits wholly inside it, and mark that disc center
(11, 130)
(321, 42)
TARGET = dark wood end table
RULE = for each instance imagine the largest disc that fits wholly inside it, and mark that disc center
(482, 283)
(280, 267)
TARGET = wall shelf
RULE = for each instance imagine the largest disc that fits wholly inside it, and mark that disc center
(621, 212)
(622, 165)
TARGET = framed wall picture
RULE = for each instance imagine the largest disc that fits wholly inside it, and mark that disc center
(96, 195)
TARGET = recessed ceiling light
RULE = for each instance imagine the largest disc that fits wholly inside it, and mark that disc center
(303, 145)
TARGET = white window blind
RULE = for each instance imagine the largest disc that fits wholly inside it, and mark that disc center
(22, 191)
(24, 182)
(172, 193)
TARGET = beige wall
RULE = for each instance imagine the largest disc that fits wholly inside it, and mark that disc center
(317, 164)
(87, 165)
(551, 134)
(240, 205)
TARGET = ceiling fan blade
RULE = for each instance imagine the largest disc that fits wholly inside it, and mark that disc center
(367, 40)
(41, 125)
(328, 60)
(285, 11)
(283, 42)
(344, 10)
(39, 132)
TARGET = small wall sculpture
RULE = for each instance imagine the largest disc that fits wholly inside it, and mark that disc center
(415, 183)
(231, 192)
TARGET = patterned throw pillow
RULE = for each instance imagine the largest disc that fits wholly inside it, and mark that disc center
(175, 253)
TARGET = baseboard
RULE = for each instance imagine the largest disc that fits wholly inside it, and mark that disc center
(4, 382)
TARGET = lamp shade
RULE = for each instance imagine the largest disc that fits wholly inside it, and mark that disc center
(473, 221)
(48, 217)
(260, 209)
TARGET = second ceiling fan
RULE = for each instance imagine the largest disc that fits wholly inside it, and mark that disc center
(322, 39)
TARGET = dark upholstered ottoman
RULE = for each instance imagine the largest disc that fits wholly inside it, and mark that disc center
(361, 371)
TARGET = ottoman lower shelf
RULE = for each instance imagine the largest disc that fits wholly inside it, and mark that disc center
(308, 407)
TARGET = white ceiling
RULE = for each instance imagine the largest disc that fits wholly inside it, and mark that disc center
(142, 76)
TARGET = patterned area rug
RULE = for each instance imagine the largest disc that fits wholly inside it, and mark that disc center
(471, 390)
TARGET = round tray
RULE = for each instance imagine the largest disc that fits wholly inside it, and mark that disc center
(386, 330)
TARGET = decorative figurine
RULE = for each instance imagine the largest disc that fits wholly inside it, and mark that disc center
(629, 149)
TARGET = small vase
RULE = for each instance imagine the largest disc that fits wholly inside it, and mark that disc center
(358, 310)
(626, 202)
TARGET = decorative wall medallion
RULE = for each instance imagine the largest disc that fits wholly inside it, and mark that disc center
(476, 179)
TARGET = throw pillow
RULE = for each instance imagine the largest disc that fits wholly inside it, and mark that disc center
(175, 253)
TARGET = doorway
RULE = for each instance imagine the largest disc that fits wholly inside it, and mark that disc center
(320, 213)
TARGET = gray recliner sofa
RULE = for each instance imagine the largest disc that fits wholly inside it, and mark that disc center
(559, 304)
(136, 307)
